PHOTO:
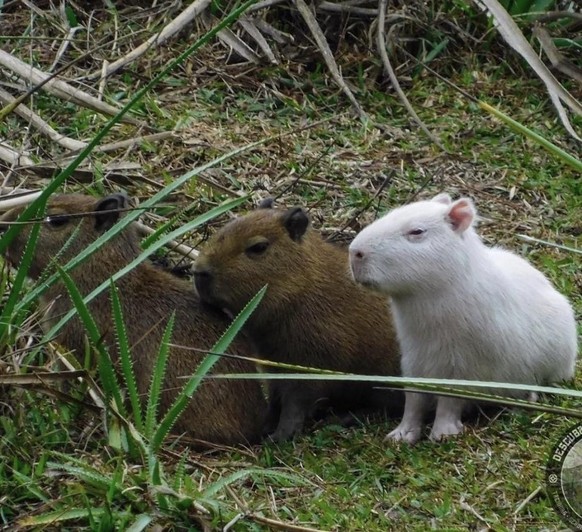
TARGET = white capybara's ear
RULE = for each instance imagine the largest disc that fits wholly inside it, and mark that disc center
(461, 214)
(443, 198)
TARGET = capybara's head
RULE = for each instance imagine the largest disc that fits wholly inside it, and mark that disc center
(266, 247)
(71, 223)
(415, 247)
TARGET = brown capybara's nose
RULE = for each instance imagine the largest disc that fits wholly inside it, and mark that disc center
(202, 280)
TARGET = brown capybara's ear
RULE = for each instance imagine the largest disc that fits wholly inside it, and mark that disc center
(107, 210)
(296, 222)
(266, 203)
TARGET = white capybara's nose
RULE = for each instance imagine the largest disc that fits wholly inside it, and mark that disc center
(357, 261)
(357, 254)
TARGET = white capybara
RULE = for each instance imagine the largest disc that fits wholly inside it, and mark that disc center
(462, 310)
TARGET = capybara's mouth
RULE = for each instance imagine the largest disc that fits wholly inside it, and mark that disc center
(208, 301)
(206, 292)
(369, 283)
(203, 286)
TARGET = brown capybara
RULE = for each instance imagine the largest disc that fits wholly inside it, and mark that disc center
(221, 411)
(313, 313)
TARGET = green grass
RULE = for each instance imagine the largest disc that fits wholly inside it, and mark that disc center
(55, 458)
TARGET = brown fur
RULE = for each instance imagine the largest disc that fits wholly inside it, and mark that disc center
(220, 411)
(313, 313)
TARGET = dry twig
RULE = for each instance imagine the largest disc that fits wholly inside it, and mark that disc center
(277, 35)
(263, 4)
(176, 25)
(230, 39)
(510, 31)
(40, 124)
(559, 62)
(13, 157)
(325, 50)
(59, 88)
(281, 525)
(130, 143)
(381, 43)
(249, 26)
(551, 16)
(346, 8)
(24, 197)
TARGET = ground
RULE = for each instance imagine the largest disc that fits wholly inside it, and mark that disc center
(54, 459)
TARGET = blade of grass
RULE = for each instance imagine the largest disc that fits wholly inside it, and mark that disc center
(220, 347)
(215, 487)
(8, 312)
(159, 372)
(532, 135)
(398, 381)
(141, 523)
(52, 518)
(159, 231)
(500, 400)
(85, 472)
(31, 485)
(106, 371)
(125, 357)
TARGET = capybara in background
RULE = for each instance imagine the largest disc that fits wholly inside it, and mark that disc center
(221, 411)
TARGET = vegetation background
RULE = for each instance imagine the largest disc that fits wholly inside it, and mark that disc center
(59, 468)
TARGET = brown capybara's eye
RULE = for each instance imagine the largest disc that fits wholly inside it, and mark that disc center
(257, 249)
(57, 220)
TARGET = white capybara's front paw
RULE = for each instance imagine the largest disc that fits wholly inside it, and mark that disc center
(444, 429)
(405, 433)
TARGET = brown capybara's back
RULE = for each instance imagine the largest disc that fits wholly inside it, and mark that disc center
(221, 411)
(313, 313)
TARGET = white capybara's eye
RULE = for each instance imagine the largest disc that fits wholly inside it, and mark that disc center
(415, 235)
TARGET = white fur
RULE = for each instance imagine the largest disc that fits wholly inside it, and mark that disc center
(462, 310)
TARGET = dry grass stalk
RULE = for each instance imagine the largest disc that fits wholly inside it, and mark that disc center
(59, 88)
(323, 45)
(249, 26)
(230, 39)
(40, 124)
(381, 44)
(559, 62)
(14, 157)
(515, 38)
(171, 29)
